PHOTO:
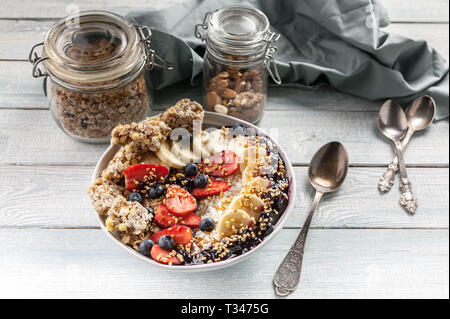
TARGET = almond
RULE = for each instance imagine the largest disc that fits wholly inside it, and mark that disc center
(229, 93)
(212, 99)
(221, 86)
(239, 86)
(219, 108)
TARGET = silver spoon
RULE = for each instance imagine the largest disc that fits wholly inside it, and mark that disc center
(420, 113)
(393, 124)
(327, 171)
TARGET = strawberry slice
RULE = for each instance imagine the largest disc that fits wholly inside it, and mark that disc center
(191, 220)
(182, 235)
(163, 256)
(165, 219)
(221, 164)
(214, 187)
(135, 174)
(179, 202)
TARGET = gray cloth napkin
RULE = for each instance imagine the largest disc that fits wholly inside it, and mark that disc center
(323, 42)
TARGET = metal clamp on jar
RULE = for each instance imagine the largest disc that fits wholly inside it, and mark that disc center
(239, 56)
(95, 62)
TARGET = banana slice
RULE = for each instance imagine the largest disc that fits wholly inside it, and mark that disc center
(250, 203)
(257, 184)
(181, 152)
(249, 173)
(238, 146)
(231, 222)
(165, 155)
(151, 158)
(252, 154)
(197, 149)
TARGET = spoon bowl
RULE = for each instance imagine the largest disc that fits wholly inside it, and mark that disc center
(420, 113)
(328, 167)
(392, 121)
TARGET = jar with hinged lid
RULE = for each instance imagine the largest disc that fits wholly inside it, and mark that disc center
(238, 60)
(93, 63)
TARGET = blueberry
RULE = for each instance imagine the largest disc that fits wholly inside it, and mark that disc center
(191, 169)
(145, 247)
(151, 210)
(166, 242)
(156, 191)
(201, 180)
(135, 197)
(207, 224)
(238, 129)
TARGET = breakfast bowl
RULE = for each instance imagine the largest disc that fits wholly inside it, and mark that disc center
(210, 120)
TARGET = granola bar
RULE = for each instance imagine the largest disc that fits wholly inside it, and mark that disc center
(103, 193)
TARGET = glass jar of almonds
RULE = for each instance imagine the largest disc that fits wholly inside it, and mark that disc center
(239, 56)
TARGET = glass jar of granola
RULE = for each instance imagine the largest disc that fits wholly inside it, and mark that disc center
(239, 56)
(94, 64)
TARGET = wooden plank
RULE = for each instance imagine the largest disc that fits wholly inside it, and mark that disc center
(19, 35)
(61, 8)
(337, 264)
(417, 10)
(32, 137)
(20, 90)
(399, 10)
(56, 197)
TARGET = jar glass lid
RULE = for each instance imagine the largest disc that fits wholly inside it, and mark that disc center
(238, 25)
(92, 47)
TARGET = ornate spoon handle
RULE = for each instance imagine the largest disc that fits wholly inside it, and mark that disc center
(287, 276)
(407, 199)
(387, 180)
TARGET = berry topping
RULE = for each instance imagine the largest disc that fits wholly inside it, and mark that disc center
(201, 180)
(238, 129)
(145, 247)
(166, 242)
(135, 197)
(165, 219)
(137, 174)
(181, 235)
(179, 202)
(151, 210)
(207, 224)
(164, 256)
(221, 164)
(214, 187)
(156, 191)
(191, 169)
(191, 220)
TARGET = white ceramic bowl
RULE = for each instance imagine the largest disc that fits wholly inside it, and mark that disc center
(211, 120)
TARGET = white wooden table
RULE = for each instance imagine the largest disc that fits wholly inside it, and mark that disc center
(362, 244)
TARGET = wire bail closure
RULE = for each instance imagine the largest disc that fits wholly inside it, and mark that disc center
(204, 26)
(35, 60)
(270, 57)
(150, 56)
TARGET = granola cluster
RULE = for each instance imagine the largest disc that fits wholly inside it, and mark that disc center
(237, 92)
(107, 194)
(94, 115)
